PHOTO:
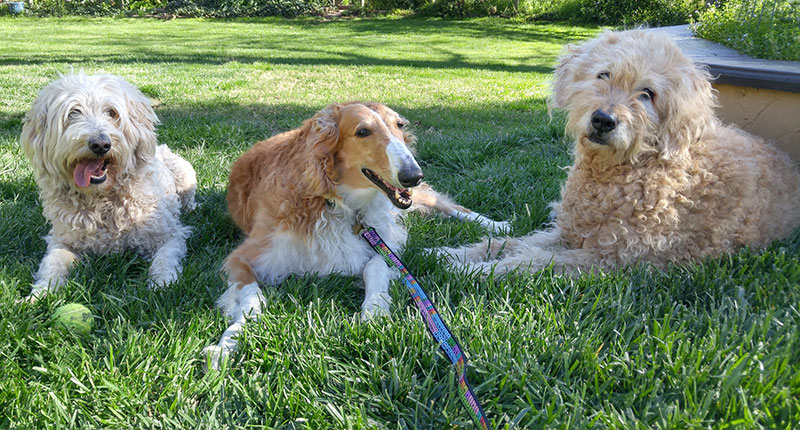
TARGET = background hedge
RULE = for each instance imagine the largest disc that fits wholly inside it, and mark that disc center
(604, 12)
(761, 28)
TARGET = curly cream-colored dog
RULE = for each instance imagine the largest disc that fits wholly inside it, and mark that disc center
(105, 183)
(300, 195)
(656, 177)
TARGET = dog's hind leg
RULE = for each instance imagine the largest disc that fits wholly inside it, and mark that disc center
(242, 301)
(245, 303)
(490, 248)
(53, 269)
(425, 198)
(500, 248)
(533, 259)
(184, 174)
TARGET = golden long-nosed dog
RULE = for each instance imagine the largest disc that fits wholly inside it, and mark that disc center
(298, 196)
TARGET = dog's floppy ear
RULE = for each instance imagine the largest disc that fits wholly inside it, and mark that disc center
(33, 130)
(35, 134)
(142, 120)
(322, 142)
(564, 77)
(686, 111)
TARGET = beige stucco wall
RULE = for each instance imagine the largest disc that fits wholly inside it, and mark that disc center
(774, 115)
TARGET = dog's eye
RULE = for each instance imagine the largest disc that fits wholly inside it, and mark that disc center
(363, 132)
(646, 95)
(604, 75)
(112, 113)
(400, 124)
(73, 113)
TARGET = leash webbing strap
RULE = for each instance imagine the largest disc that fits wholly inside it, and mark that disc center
(436, 327)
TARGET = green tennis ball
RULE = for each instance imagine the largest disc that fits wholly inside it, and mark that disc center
(74, 317)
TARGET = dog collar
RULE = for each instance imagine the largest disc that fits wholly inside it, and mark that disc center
(358, 225)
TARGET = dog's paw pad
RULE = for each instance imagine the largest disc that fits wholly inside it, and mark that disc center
(35, 295)
(153, 284)
(375, 306)
(161, 280)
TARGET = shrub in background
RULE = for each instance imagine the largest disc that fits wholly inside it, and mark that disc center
(286, 8)
(183, 8)
(634, 12)
(142, 7)
(75, 7)
(765, 29)
(605, 12)
(468, 8)
(390, 5)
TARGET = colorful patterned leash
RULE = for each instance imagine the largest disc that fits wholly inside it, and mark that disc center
(436, 327)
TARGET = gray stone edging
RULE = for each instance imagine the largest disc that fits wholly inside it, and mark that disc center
(730, 67)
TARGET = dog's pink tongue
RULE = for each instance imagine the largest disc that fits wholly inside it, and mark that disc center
(85, 169)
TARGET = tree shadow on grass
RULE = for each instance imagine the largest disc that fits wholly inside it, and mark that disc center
(222, 124)
(451, 60)
(474, 168)
(356, 45)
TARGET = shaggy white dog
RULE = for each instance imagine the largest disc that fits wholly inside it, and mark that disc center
(104, 182)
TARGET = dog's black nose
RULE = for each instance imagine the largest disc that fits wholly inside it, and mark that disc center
(410, 177)
(100, 144)
(603, 122)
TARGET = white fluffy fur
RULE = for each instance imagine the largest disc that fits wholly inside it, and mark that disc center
(331, 248)
(138, 205)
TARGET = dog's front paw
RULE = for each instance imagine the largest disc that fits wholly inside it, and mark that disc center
(215, 357)
(40, 289)
(494, 227)
(161, 278)
(157, 284)
(376, 305)
(34, 296)
(498, 227)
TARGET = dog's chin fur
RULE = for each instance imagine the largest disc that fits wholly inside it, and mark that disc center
(136, 206)
(668, 183)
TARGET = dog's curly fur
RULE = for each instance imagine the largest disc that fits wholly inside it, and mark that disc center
(132, 202)
(656, 177)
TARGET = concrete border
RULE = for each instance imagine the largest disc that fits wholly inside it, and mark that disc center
(760, 96)
(732, 68)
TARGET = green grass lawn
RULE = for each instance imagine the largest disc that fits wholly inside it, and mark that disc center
(714, 345)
